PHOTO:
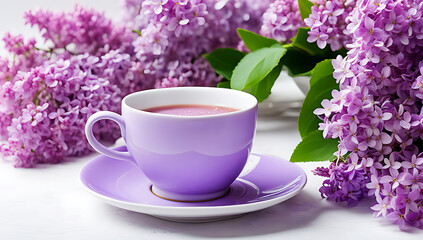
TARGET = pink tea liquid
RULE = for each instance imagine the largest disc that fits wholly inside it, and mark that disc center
(190, 110)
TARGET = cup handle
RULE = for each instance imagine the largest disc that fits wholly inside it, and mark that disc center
(100, 147)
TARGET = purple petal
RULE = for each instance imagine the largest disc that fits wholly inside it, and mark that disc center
(405, 178)
(173, 23)
(369, 23)
(158, 9)
(385, 179)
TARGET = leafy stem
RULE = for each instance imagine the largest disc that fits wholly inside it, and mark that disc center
(137, 32)
(36, 99)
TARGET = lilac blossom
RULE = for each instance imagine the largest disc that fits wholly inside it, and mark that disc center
(327, 109)
(328, 21)
(175, 34)
(81, 31)
(49, 118)
(382, 207)
(46, 95)
(381, 114)
(343, 185)
(282, 20)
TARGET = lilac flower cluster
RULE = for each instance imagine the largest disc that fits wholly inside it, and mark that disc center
(81, 31)
(46, 96)
(328, 23)
(282, 20)
(25, 56)
(377, 113)
(343, 185)
(51, 104)
(175, 33)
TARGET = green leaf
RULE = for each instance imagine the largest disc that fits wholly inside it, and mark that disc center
(224, 60)
(322, 69)
(302, 56)
(299, 62)
(307, 74)
(262, 90)
(315, 148)
(305, 8)
(255, 66)
(253, 41)
(224, 84)
(321, 89)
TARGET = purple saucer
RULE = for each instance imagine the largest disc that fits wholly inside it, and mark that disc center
(264, 182)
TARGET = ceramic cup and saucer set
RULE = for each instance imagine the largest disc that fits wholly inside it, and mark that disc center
(187, 157)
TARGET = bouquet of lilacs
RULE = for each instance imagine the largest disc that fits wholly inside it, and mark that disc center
(364, 107)
(88, 63)
(377, 112)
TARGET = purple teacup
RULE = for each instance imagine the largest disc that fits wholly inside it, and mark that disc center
(186, 158)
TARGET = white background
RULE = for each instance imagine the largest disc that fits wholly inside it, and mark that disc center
(49, 203)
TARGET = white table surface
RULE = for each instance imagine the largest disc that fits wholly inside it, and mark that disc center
(48, 202)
